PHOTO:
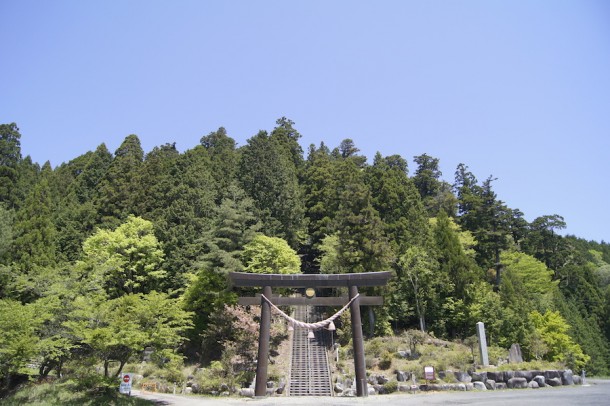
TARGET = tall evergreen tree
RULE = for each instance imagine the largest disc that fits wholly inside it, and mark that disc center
(321, 203)
(363, 246)
(10, 155)
(398, 203)
(224, 160)
(268, 175)
(459, 272)
(117, 195)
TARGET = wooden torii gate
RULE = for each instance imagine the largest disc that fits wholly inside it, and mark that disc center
(351, 280)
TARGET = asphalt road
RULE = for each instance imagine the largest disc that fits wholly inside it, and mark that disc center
(596, 392)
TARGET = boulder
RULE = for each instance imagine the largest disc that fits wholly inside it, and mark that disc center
(528, 375)
(577, 380)
(517, 383)
(350, 393)
(469, 386)
(338, 387)
(553, 382)
(501, 385)
(539, 379)
(514, 354)
(478, 385)
(461, 387)
(382, 379)
(270, 384)
(404, 388)
(479, 376)
(195, 388)
(551, 374)
(372, 391)
(567, 377)
(497, 376)
(462, 376)
(402, 376)
(508, 375)
(269, 391)
(281, 386)
(404, 354)
(188, 390)
(443, 374)
(379, 389)
(490, 384)
(533, 385)
(246, 392)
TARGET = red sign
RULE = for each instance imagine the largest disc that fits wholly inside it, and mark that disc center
(126, 378)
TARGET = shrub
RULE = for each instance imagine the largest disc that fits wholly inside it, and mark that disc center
(386, 360)
(391, 386)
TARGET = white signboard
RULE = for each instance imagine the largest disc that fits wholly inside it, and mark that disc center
(429, 373)
(125, 387)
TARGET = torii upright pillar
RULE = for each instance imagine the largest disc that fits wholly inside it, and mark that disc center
(260, 389)
(358, 343)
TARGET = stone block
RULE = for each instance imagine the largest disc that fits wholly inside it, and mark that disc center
(517, 383)
(553, 382)
(478, 385)
(497, 376)
(462, 376)
(539, 379)
(551, 374)
(528, 375)
(402, 376)
(533, 385)
(501, 385)
(490, 384)
(514, 354)
(249, 392)
(479, 376)
(567, 377)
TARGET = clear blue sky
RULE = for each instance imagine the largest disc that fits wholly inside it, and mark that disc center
(515, 89)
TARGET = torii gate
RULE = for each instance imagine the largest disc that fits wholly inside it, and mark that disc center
(351, 280)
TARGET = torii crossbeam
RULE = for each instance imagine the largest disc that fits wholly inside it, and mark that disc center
(351, 281)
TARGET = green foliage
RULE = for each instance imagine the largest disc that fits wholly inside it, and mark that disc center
(270, 255)
(268, 174)
(82, 242)
(552, 330)
(89, 391)
(533, 277)
(18, 339)
(128, 258)
(116, 329)
(10, 155)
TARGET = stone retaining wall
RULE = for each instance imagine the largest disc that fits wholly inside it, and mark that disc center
(464, 381)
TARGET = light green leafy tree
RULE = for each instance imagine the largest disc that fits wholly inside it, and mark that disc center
(270, 255)
(18, 339)
(117, 329)
(533, 275)
(552, 330)
(129, 258)
(416, 282)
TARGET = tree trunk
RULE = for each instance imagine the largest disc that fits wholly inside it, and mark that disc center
(106, 364)
(121, 365)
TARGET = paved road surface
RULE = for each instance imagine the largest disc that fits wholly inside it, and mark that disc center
(596, 393)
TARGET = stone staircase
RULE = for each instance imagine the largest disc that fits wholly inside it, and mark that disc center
(309, 372)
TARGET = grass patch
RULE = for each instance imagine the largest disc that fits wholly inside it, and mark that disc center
(67, 393)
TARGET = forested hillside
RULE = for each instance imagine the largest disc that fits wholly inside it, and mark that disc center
(113, 252)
